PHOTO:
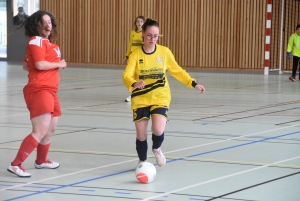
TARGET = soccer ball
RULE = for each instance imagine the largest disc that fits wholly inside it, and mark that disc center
(145, 172)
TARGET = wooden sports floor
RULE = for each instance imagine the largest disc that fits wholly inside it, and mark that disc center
(239, 141)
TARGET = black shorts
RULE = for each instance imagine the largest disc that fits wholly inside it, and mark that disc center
(145, 112)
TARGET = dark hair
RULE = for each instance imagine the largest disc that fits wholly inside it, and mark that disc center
(148, 23)
(32, 23)
(298, 26)
(138, 17)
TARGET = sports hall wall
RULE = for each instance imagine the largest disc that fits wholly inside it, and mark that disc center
(224, 34)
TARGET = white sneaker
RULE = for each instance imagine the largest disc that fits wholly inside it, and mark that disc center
(18, 170)
(160, 158)
(48, 164)
(128, 99)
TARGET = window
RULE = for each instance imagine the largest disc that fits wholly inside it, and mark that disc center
(30, 6)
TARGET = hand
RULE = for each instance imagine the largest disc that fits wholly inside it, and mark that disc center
(288, 55)
(125, 60)
(200, 87)
(62, 64)
(139, 84)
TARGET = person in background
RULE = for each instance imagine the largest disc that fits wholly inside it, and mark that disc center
(294, 46)
(42, 62)
(145, 77)
(135, 41)
(21, 17)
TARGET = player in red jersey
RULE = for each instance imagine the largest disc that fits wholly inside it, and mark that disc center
(42, 62)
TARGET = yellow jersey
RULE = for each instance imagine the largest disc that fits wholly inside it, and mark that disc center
(294, 44)
(151, 68)
(135, 42)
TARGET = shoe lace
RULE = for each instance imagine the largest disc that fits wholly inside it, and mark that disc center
(48, 161)
(157, 152)
(22, 168)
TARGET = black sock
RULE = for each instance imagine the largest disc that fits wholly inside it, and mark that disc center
(142, 148)
(157, 140)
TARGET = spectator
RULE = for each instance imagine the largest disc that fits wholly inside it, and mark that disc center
(21, 17)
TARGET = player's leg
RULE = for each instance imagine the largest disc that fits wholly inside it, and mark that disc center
(41, 106)
(294, 70)
(141, 139)
(42, 160)
(298, 59)
(159, 120)
(141, 117)
(43, 148)
(40, 126)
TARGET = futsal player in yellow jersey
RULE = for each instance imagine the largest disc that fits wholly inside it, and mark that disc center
(135, 41)
(145, 77)
(294, 45)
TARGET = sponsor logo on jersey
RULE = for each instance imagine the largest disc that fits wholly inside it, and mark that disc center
(57, 52)
(154, 70)
(160, 59)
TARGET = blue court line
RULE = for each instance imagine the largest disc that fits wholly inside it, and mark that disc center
(197, 199)
(248, 143)
(173, 160)
(87, 190)
(73, 184)
(122, 192)
(36, 187)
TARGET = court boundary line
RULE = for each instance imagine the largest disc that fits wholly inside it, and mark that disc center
(64, 175)
(253, 186)
(219, 178)
(95, 168)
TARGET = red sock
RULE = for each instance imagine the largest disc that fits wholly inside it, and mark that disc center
(42, 153)
(27, 146)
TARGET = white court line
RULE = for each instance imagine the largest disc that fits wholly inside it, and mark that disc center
(64, 175)
(78, 172)
(217, 179)
(234, 138)
(15, 115)
(28, 112)
(7, 85)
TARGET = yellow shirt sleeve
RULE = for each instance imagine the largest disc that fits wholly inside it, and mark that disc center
(176, 71)
(129, 73)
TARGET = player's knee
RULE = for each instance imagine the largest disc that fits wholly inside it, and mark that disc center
(157, 130)
(142, 136)
(38, 136)
(51, 131)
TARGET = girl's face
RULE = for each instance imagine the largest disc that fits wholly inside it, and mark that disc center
(151, 35)
(139, 23)
(45, 26)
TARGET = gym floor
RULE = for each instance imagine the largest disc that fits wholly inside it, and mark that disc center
(239, 141)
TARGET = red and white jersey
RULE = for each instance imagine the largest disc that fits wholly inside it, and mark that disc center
(40, 49)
